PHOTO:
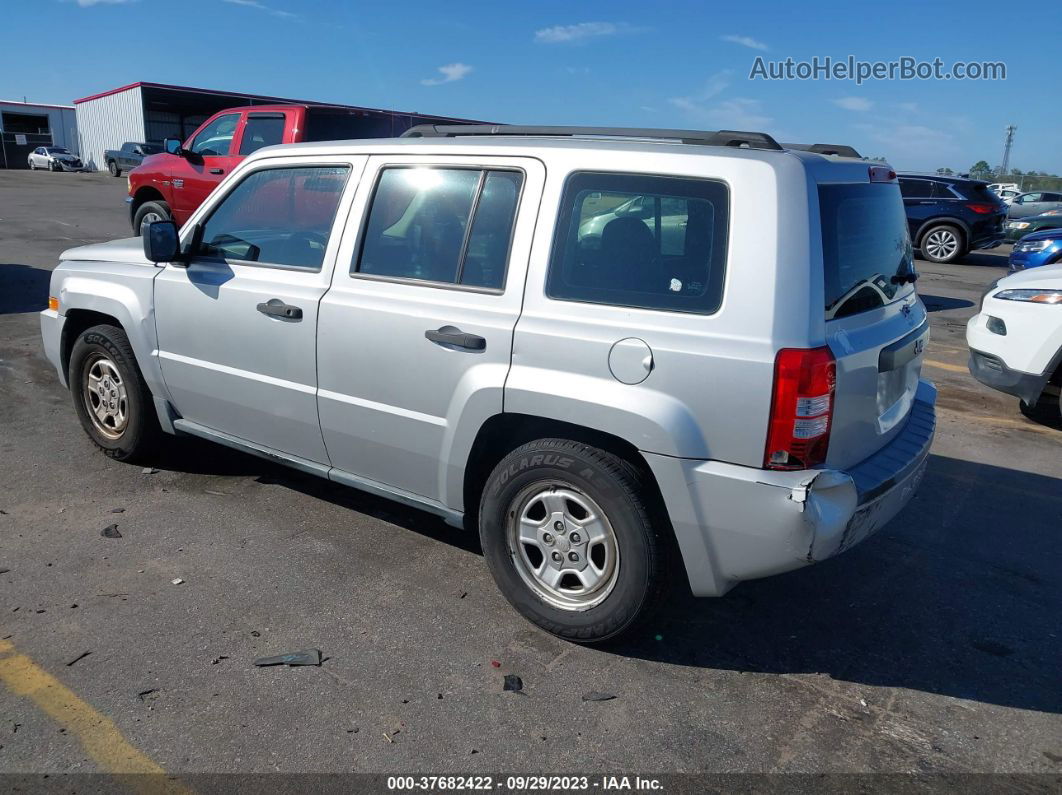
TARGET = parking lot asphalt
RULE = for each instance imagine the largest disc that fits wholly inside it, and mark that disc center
(934, 646)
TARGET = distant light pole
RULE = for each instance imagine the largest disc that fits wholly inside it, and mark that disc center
(1010, 129)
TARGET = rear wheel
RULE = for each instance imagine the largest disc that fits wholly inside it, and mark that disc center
(111, 399)
(112, 166)
(149, 212)
(942, 243)
(567, 533)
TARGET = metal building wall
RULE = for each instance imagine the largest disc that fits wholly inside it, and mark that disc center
(107, 122)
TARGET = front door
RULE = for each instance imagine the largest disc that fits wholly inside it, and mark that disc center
(417, 328)
(209, 158)
(237, 327)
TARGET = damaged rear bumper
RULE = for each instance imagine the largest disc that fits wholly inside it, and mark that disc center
(738, 523)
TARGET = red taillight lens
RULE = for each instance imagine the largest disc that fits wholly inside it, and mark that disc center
(985, 209)
(798, 433)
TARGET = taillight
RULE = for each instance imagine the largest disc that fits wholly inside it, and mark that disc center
(985, 209)
(798, 433)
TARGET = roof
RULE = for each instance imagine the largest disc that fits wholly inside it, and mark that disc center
(34, 104)
(240, 95)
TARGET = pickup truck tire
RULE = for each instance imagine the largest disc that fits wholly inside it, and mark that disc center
(568, 535)
(148, 212)
(110, 396)
(112, 166)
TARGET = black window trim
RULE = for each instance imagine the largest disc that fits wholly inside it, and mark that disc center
(483, 169)
(268, 165)
(627, 307)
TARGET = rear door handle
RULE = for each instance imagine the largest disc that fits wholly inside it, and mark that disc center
(217, 171)
(274, 307)
(451, 335)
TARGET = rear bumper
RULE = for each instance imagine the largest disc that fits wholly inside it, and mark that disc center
(989, 241)
(737, 523)
(993, 371)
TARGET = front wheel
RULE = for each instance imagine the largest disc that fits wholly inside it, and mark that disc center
(111, 399)
(942, 243)
(149, 212)
(568, 535)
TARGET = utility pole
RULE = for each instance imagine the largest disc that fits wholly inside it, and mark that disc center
(1010, 129)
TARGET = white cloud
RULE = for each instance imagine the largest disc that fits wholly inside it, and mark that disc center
(853, 103)
(88, 3)
(696, 103)
(260, 6)
(560, 34)
(451, 72)
(745, 41)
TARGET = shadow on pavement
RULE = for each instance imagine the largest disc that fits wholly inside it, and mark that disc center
(939, 303)
(985, 259)
(23, 288)
(958, 596)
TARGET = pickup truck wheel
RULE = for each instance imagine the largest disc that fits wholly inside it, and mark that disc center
(112, 166)
(149, 212)
(567, 533)
(110, 396)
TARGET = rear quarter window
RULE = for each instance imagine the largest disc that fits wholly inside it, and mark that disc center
(640, 241)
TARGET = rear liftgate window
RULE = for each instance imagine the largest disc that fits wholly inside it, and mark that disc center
(865, 245)
(641, 241)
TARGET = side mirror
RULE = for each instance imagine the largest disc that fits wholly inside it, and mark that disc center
(173, 146)
(161, 243)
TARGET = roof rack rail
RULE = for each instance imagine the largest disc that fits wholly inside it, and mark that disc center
(841, 150)
(733, 138)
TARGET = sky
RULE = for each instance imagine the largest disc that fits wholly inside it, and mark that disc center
(645, 64)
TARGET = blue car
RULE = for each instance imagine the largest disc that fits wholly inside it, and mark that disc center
(1035, 249)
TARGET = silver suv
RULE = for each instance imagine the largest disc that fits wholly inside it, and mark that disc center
(629, 358)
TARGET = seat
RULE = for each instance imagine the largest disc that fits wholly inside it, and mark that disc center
(629, 256)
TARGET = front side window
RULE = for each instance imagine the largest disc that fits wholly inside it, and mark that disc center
(276, 216)
(259, 131)
(216, 138)
(641, 241)
(447, 225)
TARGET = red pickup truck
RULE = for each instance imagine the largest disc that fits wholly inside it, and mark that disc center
(172, 184)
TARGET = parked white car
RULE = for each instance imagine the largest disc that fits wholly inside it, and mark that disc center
(54, 158)
(1016, 340)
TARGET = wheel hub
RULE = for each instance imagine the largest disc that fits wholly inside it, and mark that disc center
(105, 397)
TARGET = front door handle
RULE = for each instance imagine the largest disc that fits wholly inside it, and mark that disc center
(217, 171)
(451, 335)
(274, 307)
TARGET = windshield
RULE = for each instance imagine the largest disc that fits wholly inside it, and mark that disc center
(57, 150)
(866, 247)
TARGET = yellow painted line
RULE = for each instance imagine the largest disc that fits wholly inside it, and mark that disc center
(953, 368)
(1024, 425)
(97, 733)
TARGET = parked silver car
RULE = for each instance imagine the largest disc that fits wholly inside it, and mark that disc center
(54, 158)
(1034, 203)
(425, 319)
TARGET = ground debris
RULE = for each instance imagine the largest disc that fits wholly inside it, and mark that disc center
(218, 659)
(176, 581)
(117, 510)
(307, 657)
(111, 531)
(148, 695)
(594, 695)
(148, 471)
(513, 683)
(81, 656)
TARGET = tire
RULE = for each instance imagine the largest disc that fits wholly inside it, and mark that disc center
(942, 243)
(159, 209)
(625, 554)
(127, 435)
(112, 166)
(56, 166)
(32, 165)
(1047, 411)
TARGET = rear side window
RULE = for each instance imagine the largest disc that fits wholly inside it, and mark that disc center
(915, 188)
(445, 225)
(640, 241)
(276, 216)
(865, 242)
(259, 131)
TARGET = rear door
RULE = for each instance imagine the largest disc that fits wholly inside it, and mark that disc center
(876, 326)
(416, 331)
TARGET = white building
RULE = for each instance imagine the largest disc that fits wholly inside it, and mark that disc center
(26, 125)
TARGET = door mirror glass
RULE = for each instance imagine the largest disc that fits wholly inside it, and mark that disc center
(161, 243)
(172, 146)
